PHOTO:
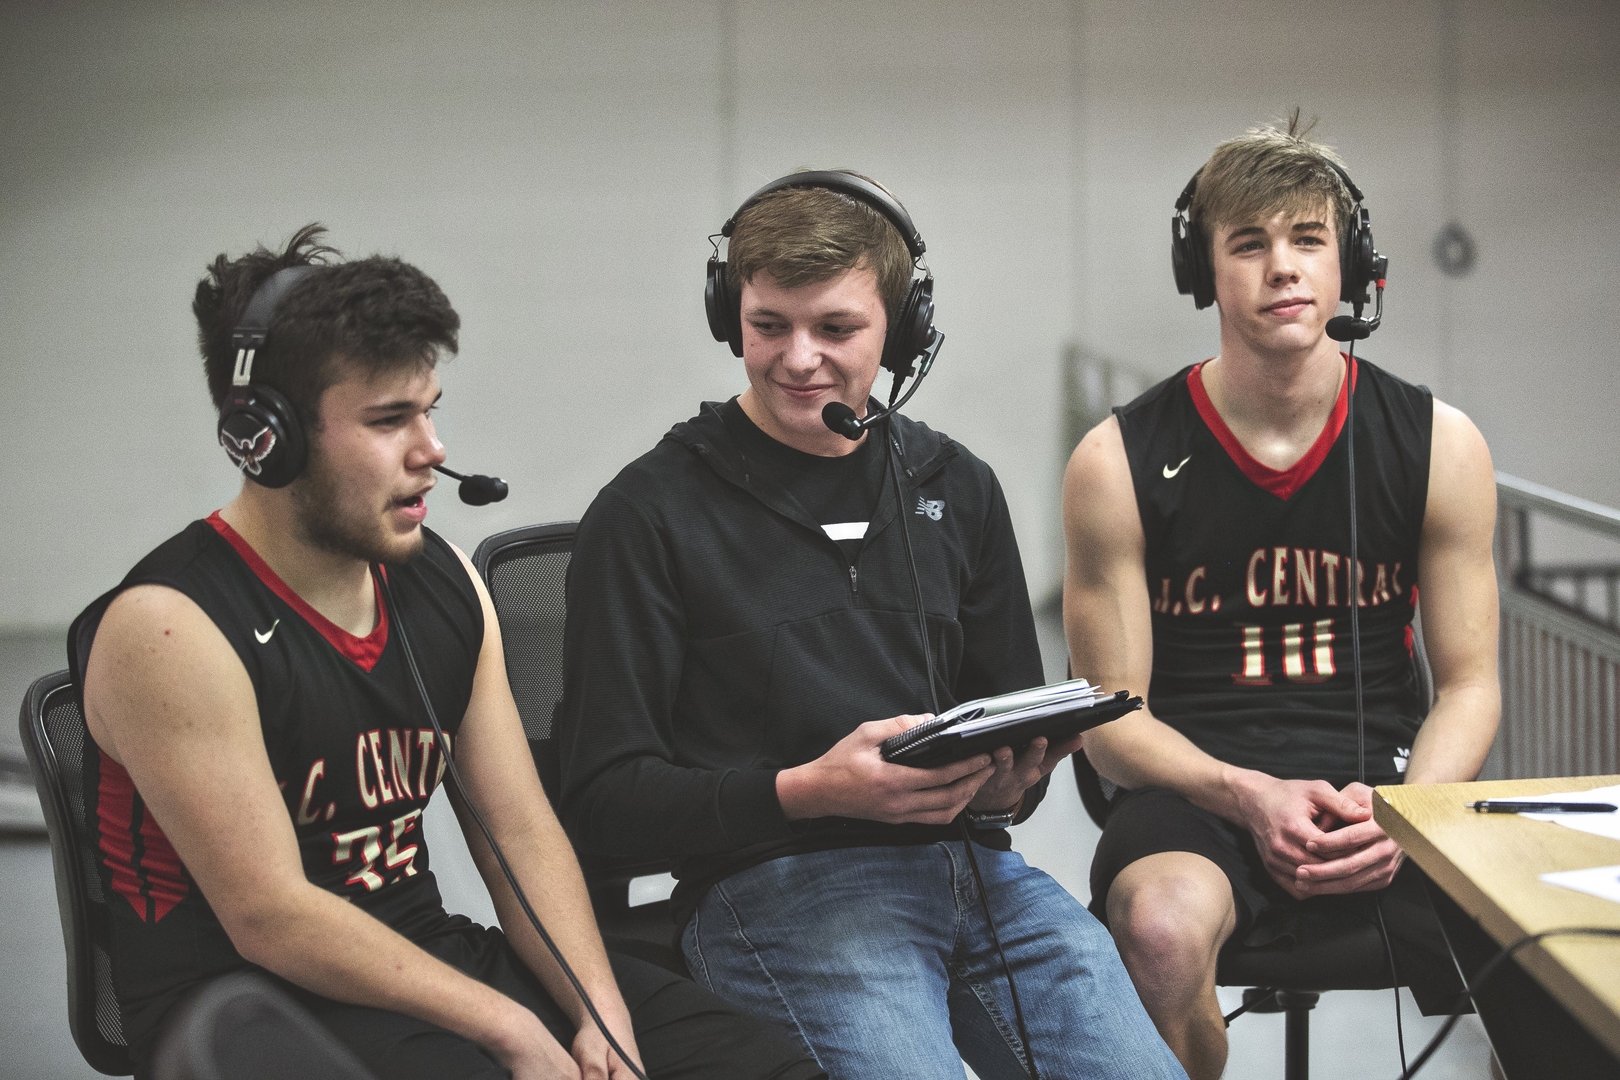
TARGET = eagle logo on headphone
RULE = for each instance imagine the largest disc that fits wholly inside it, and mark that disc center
(249, 453)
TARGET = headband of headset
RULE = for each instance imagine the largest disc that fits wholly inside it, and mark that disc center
(1194, 269)
(911, 329)
(858, 188)
(258, 427)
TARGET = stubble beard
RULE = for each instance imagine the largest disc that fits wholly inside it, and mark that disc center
(336, 521)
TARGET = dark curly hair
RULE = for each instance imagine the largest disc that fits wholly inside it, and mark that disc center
(371, 315)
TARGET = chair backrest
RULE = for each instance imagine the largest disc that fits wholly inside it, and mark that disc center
(526, 571)
(57, 742)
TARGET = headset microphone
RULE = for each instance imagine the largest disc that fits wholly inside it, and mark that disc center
(1354, 327)
(477, 490)
(842, 419)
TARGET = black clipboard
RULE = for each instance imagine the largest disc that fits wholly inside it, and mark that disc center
(978, 727)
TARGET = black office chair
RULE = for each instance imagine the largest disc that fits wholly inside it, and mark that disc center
(55, 739)
(225, 1024)
(526, 570)
(1327, 952)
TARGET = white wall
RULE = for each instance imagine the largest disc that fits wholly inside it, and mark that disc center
(558, 166)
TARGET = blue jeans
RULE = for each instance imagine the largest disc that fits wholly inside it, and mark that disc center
(880, 959)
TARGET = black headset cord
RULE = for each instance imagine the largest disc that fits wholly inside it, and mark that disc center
(1489, 968)
(1355, 669)
(891, 447)
(394, 615)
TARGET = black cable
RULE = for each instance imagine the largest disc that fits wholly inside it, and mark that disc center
(891, 448)
(1389, 951)
(1266, 993)
(1355, 564)
(1012, 987)
(1355, 664)
(489, 837)
(1490, 968)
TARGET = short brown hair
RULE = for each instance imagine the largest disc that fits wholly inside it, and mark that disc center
(801, 236)
(1270, 170)
(371, 315)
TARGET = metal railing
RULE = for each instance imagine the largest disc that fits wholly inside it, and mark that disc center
(1560, 641)
(1560, 621)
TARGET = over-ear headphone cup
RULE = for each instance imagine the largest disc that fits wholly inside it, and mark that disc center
(1181, 260)
(1356, 271)
(1190, 264)
(261, 433)
(912, 329)
(725, 313)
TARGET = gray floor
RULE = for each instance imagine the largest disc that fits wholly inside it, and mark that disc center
(1352, 1032)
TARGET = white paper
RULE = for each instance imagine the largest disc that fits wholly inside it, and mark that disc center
(1601, 881)
(1598, 824)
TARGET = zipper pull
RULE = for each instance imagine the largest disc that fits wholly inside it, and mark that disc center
(854, 581)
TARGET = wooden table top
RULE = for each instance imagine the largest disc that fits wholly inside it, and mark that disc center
(1490, 865)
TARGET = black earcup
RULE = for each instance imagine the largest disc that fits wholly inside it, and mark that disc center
(1195, 276)
(912, 329)
(724, 311)
(260, 431)
(1181, 259)
(1357, 259)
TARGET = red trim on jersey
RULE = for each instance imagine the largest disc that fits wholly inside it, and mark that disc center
(364, 651)
(1282, 483)
(145, 869)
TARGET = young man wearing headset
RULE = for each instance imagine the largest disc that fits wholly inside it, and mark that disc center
(1208, 536)
(742, 637)
(262, 752)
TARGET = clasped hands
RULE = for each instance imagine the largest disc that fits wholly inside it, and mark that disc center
(1316, 841)
(853, 780)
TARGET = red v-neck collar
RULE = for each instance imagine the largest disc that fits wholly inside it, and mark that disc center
(1282, 483)
(364, 651)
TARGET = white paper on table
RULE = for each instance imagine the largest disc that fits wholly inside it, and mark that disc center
(1601, 881)
(1598, 824)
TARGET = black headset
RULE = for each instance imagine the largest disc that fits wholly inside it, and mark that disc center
(911, 331)
(258, 427)
(1360, 265)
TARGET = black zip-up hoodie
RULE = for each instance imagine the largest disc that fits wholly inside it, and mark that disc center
(716, 635)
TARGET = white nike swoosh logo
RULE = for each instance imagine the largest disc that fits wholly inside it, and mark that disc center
(1170, 474)
(264, 637)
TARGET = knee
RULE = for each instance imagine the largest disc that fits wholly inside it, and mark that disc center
(1173, 919)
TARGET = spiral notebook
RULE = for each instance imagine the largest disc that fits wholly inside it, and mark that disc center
(1059, 712)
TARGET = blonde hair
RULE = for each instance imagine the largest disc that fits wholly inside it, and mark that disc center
(1266, 171)
(801, 236)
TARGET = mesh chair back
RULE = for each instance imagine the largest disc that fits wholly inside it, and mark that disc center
(526, 570)
(57, 741)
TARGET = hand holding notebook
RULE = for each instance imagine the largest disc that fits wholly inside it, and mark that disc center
(1057, 712)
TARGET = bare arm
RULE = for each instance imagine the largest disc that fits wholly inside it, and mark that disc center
(493, 758)
(1459, 604)
(167, 697)
(1107, 619)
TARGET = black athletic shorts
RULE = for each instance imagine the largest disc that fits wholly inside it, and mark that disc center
(1147, 821)
(683, 1031)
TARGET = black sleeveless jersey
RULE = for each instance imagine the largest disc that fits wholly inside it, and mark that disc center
(348, 740)
(1250, 583)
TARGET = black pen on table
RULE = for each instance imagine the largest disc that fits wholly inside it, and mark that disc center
(1522, 806)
